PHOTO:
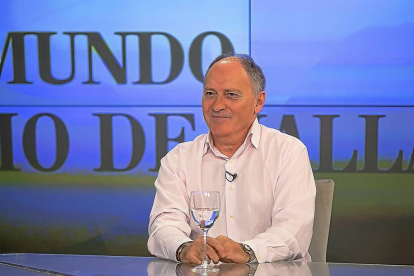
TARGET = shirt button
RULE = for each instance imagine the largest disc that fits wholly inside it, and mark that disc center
(231, 216)
(259, 258)
(231, 188)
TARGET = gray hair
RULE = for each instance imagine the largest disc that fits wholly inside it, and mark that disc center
(253, 70)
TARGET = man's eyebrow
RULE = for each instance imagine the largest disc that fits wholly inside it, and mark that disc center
(232, 90)
(225, 90)
(208, 88)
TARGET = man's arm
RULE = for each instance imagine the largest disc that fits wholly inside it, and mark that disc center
(290, 234)
(169, 219)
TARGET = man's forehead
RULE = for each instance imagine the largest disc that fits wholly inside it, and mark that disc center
(229, 60)
(229, 64)
(226, 70)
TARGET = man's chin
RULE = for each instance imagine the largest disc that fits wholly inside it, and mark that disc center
(219, 132)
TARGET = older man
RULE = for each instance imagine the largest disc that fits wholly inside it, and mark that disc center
(264, 178)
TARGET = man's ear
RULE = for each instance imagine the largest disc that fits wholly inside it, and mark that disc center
(260, 100)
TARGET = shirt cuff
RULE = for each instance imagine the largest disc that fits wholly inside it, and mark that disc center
(257, 247)
(266, 253)
(173, 245)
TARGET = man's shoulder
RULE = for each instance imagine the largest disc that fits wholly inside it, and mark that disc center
(274, 136)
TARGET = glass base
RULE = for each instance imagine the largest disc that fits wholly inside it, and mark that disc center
(205, 269)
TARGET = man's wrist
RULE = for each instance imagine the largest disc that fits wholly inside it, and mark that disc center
(179, 250)
(249, 251)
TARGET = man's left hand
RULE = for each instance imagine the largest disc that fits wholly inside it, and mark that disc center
(234, 251)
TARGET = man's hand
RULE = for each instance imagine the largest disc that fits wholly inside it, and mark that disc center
(193, 252)
(234, 253)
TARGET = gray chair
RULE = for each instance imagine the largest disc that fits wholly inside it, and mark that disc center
(323, 208)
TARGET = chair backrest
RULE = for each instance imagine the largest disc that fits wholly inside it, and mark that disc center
(323, 209)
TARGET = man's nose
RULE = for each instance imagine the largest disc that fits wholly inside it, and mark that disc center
(219, 104)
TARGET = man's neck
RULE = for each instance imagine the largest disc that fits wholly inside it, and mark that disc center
(227, 146)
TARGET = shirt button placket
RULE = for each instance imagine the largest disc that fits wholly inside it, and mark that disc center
(230, 198)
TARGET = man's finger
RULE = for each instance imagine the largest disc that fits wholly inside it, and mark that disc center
(234, 251)
(216, 246)
(212, 255)
(192, 259)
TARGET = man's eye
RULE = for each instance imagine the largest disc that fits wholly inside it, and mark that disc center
(232, 95)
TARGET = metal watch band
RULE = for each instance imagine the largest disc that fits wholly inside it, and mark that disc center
(250, 252)
(179, 249)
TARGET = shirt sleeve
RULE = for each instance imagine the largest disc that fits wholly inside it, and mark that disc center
(169, 219)
(290, 233)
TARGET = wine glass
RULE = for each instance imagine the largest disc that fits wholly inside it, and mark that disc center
(205, 209)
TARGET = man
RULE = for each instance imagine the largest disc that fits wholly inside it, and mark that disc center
(264, 178)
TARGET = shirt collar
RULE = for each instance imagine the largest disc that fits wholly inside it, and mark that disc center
(253, 134)
(208, 144)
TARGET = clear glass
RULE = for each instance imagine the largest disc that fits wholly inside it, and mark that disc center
(205, 209)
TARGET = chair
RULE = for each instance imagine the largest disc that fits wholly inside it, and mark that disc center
(323, 208)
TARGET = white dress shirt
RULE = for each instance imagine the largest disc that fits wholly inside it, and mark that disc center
(269, 205)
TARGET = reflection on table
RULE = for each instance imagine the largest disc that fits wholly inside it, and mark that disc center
(163, 267)
(80, 265)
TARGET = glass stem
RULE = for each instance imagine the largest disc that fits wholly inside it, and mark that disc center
(205, 263)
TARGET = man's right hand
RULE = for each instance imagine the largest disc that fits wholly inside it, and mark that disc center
(193, 251)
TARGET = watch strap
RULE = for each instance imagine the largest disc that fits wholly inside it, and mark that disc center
(179, 250)
(247, 249)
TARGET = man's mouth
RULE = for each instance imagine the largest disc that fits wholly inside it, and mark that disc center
(220, 117)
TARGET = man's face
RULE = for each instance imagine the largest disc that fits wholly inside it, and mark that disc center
(229, 106)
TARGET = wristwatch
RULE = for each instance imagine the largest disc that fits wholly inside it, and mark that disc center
(179, 249)
(250, 252)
